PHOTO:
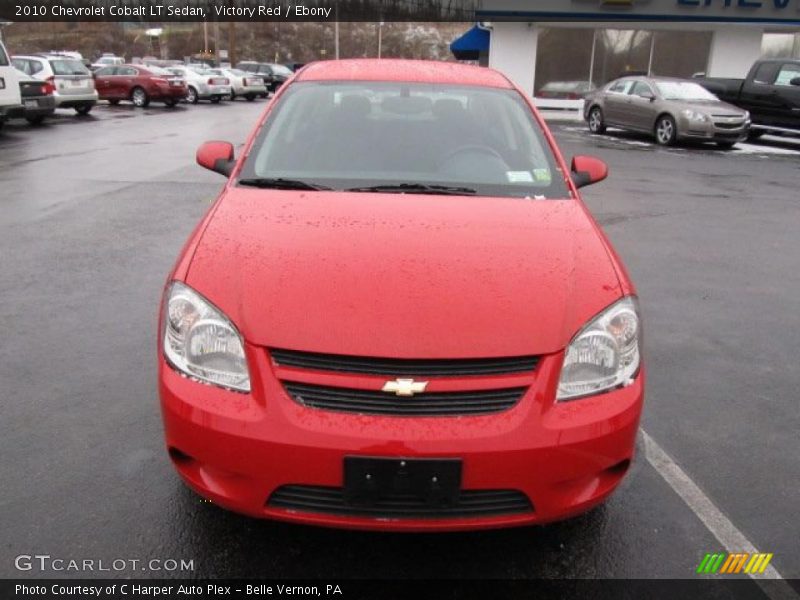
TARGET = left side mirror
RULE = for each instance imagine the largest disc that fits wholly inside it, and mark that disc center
(795, 81)
(217, 157)
(587, 170)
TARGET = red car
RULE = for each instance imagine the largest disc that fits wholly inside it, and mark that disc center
(399, 313)
(141, 85)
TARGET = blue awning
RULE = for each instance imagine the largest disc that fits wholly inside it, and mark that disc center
(470, 45)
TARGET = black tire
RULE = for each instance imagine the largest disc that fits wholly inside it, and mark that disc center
(215, 100)
(666, 131)
(755, 134)
(726, 145)
(191, 96)
(597, 123)
(37, 120)
(140, 98)
(250, 97)
(170, 103)
(113, 102)
(232, 97)
(84, 109)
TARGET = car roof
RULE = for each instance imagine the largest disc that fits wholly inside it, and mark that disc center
(417, 71)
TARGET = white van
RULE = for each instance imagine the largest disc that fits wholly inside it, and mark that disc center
(9, 86)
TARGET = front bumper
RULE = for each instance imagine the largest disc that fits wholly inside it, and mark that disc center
(713, 131)
(238, 449)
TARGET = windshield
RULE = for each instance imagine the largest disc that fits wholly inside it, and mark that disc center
(683, 90)
(68, 67)
(344, 135)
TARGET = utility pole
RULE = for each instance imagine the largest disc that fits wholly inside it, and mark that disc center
(205, 37)
(232, 43)
(380, 37)
(336, 31)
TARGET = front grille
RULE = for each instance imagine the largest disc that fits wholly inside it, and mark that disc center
(330, 500)
(397, 367)
(432, 404)
(729, 125)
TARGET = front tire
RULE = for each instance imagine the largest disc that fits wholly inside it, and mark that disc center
(37, 120)
(596, 122)
(83, 110)
(170, 103)
(726, 145)
(215, 100)
(191, 96)
(666, 131)
(113, 102)
(140, 98)
(250, 97)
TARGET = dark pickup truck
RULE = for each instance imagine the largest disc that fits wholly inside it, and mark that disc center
(771, 92)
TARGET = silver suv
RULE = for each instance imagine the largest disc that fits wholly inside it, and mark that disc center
(72, 81)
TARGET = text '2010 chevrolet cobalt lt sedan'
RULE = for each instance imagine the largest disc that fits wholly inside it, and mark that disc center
(399, 313)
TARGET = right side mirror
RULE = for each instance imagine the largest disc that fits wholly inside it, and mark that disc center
(217, 157)
(795, 81)
(587, 170)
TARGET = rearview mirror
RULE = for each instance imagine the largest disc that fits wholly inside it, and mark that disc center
(587, 170)
(217, 157)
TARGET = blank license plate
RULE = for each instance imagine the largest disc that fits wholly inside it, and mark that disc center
(31, 104)
(435, 481)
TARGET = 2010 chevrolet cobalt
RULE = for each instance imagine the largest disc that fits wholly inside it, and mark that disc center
(399, 313)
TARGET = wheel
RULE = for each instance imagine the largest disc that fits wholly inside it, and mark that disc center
(596, 123)
(250, 97)
(191, 96)
(666, 131)
(232, 97)
(726, 145)
(84, 109)
(113, 102)
(754, 134)
(170, 103)
(139, 98)
(215, 100)
(37, 120)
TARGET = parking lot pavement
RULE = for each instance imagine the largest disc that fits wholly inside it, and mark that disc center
(92, 215)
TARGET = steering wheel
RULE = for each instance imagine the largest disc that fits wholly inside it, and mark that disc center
(471, 149)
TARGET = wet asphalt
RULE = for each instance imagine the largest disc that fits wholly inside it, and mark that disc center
(92, 215)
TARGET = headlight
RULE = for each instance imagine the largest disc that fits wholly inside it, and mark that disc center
(605, 354)
(199, 341)
(693, 115)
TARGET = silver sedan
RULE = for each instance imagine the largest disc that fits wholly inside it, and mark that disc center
(669, 109)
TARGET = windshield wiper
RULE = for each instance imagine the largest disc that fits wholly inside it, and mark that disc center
(415, 188)
(279, 183)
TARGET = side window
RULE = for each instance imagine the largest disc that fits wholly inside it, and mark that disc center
(621, 87)
(105, 72)
(127, 71)
(22, 64)
(765, 74)
(35, 66)
(787, 73)
(640, 88)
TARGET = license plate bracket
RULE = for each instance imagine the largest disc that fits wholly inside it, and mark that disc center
(434, 481)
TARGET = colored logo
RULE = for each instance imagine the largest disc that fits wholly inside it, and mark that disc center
(741, 562)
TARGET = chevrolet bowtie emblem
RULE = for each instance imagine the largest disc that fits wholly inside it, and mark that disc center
(405, 387)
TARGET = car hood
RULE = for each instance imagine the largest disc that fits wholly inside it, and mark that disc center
(403, 275)
(718, 109)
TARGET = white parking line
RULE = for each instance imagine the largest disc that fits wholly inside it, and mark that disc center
(771, 581)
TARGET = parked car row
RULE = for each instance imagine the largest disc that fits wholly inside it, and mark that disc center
(32, 86)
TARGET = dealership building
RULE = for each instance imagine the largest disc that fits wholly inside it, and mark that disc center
(540, 43)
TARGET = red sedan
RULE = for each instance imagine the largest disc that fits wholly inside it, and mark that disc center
(399, 313)
(141, 85)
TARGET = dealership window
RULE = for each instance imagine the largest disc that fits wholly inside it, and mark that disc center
(780, 45)
(597, 56)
